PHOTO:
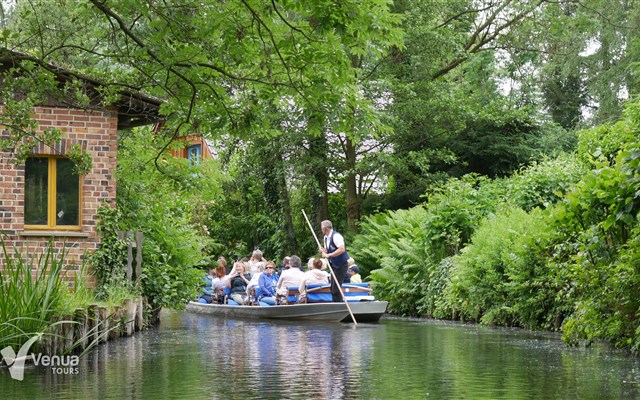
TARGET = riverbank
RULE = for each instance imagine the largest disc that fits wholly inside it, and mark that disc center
(87, 327)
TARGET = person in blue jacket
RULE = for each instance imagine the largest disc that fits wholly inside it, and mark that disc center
(207, 288)
(267, 284)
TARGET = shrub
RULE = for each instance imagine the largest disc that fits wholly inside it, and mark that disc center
(543, 184)
(502, 277)
(391, 246)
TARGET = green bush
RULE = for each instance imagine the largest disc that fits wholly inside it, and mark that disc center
(407, 246)
(455, 209)
(543, 184)
(391, 246)
(604, 142)
(609, 308)
(164, 201)
(503, 277)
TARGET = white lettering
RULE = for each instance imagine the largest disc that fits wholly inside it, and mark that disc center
(55, 361)
(64, 371)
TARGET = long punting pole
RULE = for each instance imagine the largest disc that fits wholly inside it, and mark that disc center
(331, 270)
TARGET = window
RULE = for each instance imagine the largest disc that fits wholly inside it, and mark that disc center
(52, 194)
(194, 153)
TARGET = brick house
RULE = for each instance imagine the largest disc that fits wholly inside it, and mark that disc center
(43, 198)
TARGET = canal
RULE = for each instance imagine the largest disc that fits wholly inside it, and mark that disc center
(200, 357)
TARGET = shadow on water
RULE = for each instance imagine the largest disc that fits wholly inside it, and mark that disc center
(195, 356)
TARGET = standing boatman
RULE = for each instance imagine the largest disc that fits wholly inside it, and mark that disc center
(334, 250)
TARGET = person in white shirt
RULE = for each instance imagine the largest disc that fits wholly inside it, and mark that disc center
(257, 260)
(254, 283)
(314, 275)
(290, 277)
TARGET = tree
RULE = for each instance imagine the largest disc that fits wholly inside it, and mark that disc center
(215, 63)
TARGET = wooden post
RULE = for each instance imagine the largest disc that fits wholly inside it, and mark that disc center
(94, 322)
(129, 315)
(125, 235)
(139, 314)
(115, 322)
(103, 329)
(139, 237)
(54, 334)
(68, 329)
(80, 331)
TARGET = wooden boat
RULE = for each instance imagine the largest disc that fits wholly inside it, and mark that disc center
(315, 312)
(319, 307)
(363, 311)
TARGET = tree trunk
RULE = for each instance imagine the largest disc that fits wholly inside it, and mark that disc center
(320, 197)
(291, 244)
(352, 197)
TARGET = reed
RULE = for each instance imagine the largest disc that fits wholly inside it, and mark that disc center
(31, 293)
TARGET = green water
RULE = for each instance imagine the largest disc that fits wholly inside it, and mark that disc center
(200, 357)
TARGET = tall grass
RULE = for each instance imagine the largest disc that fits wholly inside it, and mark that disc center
(31, 292)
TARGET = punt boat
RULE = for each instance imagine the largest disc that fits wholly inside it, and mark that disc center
(319, 307)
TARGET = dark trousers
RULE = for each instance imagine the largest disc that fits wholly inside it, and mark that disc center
(336, 289)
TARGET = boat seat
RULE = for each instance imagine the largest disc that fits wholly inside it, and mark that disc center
(294, 293)
(357, 292)
(319, 292)
(356, 289)
(227, 297)
(353, 292)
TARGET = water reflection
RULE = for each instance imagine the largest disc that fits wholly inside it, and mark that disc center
(199, 357)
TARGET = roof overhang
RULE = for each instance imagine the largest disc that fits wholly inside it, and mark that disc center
(133, 107)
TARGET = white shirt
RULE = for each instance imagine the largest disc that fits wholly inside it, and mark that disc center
(313, 276)
(254, 267)
(290, 277)
(338, 240)
(255, 278)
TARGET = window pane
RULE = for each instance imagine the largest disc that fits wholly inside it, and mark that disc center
(68, 195)
(36, 182)
(194, 153)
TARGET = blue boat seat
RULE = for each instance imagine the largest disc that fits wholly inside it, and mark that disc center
(357, 291)
(294, 293)
(319, 292)
(227, 297)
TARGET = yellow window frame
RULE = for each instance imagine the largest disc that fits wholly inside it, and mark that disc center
(52, 183)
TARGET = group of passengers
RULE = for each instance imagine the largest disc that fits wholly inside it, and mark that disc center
(255, 280)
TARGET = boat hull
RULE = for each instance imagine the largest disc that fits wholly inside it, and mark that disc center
(367, 311)
(363, 311)
(314, 312)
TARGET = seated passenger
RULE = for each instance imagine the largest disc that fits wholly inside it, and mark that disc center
(314, 275)
(267, 284)
(253, 283)
(219, 282)
(284, 265)
(238, 282)
(256, 262)
(353, 272)
(289, 277)
(207, 288)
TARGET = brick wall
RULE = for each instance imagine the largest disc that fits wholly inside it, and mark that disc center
(95, 131)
